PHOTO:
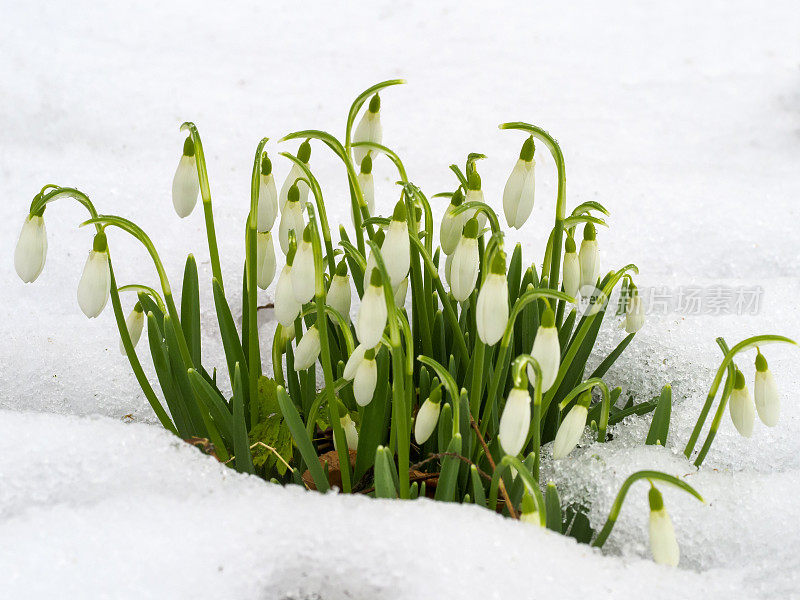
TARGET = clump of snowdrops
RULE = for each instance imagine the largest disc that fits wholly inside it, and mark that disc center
(444, 369)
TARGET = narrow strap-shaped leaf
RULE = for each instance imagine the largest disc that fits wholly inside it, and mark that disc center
(374, 420)
(158, 351)
(214, 404)
(384, 482)
(230, 337)
(302, 440)
(241, 442)
(612, 357)
(553, 504)
(190, 309)
(659, 428)
(478, 493)
(181, 382)
(446, 487)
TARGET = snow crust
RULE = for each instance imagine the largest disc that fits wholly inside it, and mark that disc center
(683, 119)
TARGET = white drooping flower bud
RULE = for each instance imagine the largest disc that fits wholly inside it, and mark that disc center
(590, 265)
(529, 512)
(286, 307)
(572, 269)
(307, 350)
(396, 249)
(95, 284)
(663, 544)
(372, 313)
(351, 366)
(743, 412)
(366, 378)
(267, 197)
(339, 294)
(452, 225)
(428, 416)
(31, 250)
(369, 129)
(518, 194)
(571, 430)
(303, 277)
(400, 293)
(546, 350)
(515, 421)
(134, 323)
(350, 433)
(634, 314)
(491, 310)
(265, 259)
(367, 185)
(291, 219)
(186, 183)
(466, 263)
(768, 403)
(295, 173)
(474, 193)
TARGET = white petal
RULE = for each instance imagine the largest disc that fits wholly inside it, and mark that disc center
(448, 269)
(31, 250)
(663, 544)
(351, 366)
(491, 310)
(768, 403)
(372, 316)
(515, 422)
(303, 280)
(185, 186)
(291, 219)
(367, 183)
(307, 350)
(425, 423)
(364, 382)
(369, 129)
(464, 270)
(547, 352)
(400, 293)
(743, 412)
(450, 229)
(339, 296)
(294, 173)
(286, 307)
(95, 284)
(589, 264)
(265, 259)
(634, 319)
(267, 203)
(518, 194)
(475, 196)
(135, 323)
(570, 432)
(396, 251)
(572, 274)
(350, 433)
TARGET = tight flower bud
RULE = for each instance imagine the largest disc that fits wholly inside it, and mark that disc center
(491, 310)
(529, 513)
(350, 433)
(743, 413)
(663, 544)
(546, 350)
(367, 185)
(295, 173)
(95, 284)
(369, 129)
(572, 269)
(428, 416)
(186, 183)
(590, 266)
(396, 249)
(465, 266)
(339, 295)
(291, 219)
(474, 193)
(286, 307)
(365, 379)
(519, 191)
(634, 316)
(372, 313)
(351, 366)
(134, 323)
(31, 250)
(267, 197)
(571, 430)
(515, 421)
(303, 278)
(265, 259)
(452, 225)
(307, 350)
(768, 403)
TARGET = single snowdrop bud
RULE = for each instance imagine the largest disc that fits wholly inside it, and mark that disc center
(475, 194)
(491, 310)
(452, 225)
(265, 259)
(515, 421)
(134, 324)
(371, 262)
(365, 378)
(367, 185)
(571, 430)
(590, 266)
(186, 183)
(428, 416)
(267, 196)
(466, 262)
(351, 366)
(286, 306)
(372, 313)
(743, 413)
(369, 129)
(546, 350)
(396, 249)
(339, 295)
(307, 351)
(519, 191)
(572, 269)
(766, 392)
(350, 433)
(31, 250)
(291, 218)
(529, 513)
(95, 284)
(400, 293)
(303, 277)
(663, 544)
(634, 315)
(295, 173)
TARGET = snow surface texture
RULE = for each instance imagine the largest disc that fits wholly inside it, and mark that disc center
(682, 118)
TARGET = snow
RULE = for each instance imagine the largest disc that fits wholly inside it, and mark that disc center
(683, 119)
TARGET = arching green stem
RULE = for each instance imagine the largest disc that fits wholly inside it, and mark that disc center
(479, 207)
(359, 102)
(146, 289)
(401, 170)
(606, 406)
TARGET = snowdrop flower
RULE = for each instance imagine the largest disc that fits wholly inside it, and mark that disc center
(571, 430)
(351, 366)
(452, 225)
(367, 185)
(371, 262)
(303, 277)
(267, 196)
(491, 310)
(369, 129)
(515, 421)
(766, 392)
(529, 513)
(286, 306)
(291, 218)
(295, 173)
(307, 351)
(186, 183)
(31, 250)
(372, 313)
(396, 249)
(465, 266)
(546, 350)
(590, 266)
(350, 433)
(428, 416)
(135, 324)
(95, 284)
(743, 413)
(519, 190)
(265, 259)
(365, 376)
(572, 269)
(475, 194)
(663, 544)
(338, 296)
(634, 316)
